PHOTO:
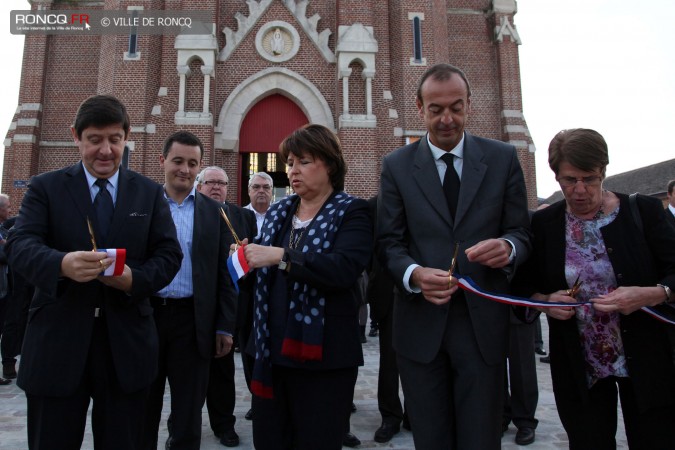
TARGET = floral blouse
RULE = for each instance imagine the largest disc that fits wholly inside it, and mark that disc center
(600, 333)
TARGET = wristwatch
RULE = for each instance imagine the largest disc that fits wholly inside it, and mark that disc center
(284, 264)
(669, 293)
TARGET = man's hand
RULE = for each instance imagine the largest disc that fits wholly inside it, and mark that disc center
(84, 266)
(223, 345)
(122, 282)
(493, 253)
(437, 285)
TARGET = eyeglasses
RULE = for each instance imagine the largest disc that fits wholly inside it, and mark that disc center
(215, 183)
(572, 181)
(265, 187)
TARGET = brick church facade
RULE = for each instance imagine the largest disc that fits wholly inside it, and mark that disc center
(268, 67)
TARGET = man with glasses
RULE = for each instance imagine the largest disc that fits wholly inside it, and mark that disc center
(220, 397)
(260, 188)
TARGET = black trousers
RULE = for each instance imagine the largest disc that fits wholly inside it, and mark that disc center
(221, 394)
(188, 375)
(522, 392)
(388, 400)
(117, 416)
(308, 411)
(592, 425)
(456, 400)
(16, 316)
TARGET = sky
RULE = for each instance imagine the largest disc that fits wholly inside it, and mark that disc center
(602, 64)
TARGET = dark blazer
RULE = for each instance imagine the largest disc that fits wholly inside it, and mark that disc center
(415, 227)
(380, 292)
(53, 221)
(670, 217)
(244, 224)
(215, 297)
(336, 273)
(638, 259)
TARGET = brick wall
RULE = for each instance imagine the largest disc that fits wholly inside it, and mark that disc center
(460, 32)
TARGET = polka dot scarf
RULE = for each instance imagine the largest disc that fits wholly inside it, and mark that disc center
(303, 340)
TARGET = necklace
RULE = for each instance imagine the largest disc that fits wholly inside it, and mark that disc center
(600, 212)
(295, 237)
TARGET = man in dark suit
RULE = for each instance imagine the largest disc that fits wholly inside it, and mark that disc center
(195, 313)
(90, 335)
(521, 390)
(220, 397)
(5, 291)
(670, 209)
(380, 295)
(451, 347)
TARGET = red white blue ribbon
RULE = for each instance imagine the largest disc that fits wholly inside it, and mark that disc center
(469, 285)
(237, 266)
(119, 256)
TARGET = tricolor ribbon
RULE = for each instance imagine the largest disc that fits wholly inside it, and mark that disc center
(469, 285)
(119, 256)
(237, 266)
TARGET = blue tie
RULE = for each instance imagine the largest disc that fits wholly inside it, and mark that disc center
(103, 205)
(451, 183)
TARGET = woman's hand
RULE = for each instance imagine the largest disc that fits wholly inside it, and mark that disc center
(235, 246)
(557, 312)
(262, 255)
(627, 299)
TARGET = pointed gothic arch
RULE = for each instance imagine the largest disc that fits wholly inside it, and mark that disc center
(266, 82)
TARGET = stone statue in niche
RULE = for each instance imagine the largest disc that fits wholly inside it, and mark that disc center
(277, 43)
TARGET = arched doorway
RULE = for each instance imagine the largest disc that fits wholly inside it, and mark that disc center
(267, 124)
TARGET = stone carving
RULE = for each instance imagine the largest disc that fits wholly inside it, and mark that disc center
(277, 43)
(255, 11)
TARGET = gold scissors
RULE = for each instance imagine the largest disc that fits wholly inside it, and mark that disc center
(453, 264)
(229, 225)
(574, 290)
(91, 234)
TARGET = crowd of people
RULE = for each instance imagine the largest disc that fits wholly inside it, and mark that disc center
(122, 284)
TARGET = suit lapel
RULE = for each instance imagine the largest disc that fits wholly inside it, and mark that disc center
(473, 172)
(76, 185)
(127, 190)
(198, 223)
(555, 237)
(426, 176)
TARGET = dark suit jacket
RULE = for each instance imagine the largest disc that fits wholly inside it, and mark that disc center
(243, 221)
(415, 227)
(53, 221)
(244, 224)
(670, 217)
(215, 297)
(336, 273)
(638, 259)
(380, 292)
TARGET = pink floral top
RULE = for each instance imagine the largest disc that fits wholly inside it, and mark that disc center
(600, 333)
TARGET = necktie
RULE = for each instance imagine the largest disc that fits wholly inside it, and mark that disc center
(451, 183)
(103, 205)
